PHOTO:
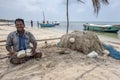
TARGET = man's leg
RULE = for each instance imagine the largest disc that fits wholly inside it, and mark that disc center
(37, 54)
(15, 60)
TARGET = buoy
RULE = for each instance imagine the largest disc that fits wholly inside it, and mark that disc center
(28, 52)
(21, 54)
(72, 40)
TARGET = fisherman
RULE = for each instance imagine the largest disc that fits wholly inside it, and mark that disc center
(38, 24)
(18, 44)
(31, 23)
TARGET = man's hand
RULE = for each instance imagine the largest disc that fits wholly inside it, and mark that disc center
(11, 52)
(33, 50)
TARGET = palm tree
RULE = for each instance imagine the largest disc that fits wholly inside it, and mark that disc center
(96, 5)
(67, 15)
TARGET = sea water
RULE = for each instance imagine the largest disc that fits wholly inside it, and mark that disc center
(74, 25)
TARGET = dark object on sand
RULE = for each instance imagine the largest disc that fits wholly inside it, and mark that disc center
(112, 52)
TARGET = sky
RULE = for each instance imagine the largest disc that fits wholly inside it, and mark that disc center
(55, 10)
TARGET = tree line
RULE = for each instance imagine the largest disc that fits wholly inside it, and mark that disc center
(6, 20)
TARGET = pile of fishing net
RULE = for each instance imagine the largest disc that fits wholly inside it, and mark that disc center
(82, 41)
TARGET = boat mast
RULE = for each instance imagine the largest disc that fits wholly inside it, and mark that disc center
(43, 17)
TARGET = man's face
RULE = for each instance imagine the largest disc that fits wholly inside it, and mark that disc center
(19, 25)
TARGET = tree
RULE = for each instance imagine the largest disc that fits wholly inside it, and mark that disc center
(96, 5)
(67, 16)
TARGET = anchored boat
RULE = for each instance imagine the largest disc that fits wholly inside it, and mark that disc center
(102, 28)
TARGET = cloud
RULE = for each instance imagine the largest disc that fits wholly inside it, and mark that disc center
(56, 10)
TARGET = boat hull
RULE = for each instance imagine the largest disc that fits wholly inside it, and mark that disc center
(56, 22)
(47, 25)
(101, 28)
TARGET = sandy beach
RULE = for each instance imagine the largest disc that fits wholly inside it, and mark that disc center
(54, 66)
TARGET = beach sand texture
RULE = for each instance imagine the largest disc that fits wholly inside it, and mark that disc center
(55, 66)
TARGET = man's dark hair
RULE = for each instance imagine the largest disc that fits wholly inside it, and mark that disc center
(19, 20)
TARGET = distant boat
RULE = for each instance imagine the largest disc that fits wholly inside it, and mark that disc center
(56, 22)
(47, 25)
(102, 28)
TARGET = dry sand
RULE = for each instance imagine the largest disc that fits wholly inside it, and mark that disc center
(55, 66)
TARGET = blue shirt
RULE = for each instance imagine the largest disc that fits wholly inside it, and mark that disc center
(14, 41)
(22, 42)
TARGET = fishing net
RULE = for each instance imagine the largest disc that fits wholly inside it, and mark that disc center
(82, 41)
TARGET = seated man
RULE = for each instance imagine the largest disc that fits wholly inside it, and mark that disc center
(20, 40)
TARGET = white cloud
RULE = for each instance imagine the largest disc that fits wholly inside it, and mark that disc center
(56, 10)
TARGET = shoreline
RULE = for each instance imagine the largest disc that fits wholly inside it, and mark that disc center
(46, 33)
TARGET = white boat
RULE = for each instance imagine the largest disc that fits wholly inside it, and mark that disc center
(56, 22)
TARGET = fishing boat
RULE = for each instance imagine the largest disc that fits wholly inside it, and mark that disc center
(101, 28)
(56, 22)
(47, 25)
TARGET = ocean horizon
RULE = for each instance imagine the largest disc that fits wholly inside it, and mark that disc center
(75, 25)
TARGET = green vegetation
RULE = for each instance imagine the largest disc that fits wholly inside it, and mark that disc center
(5, 20)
